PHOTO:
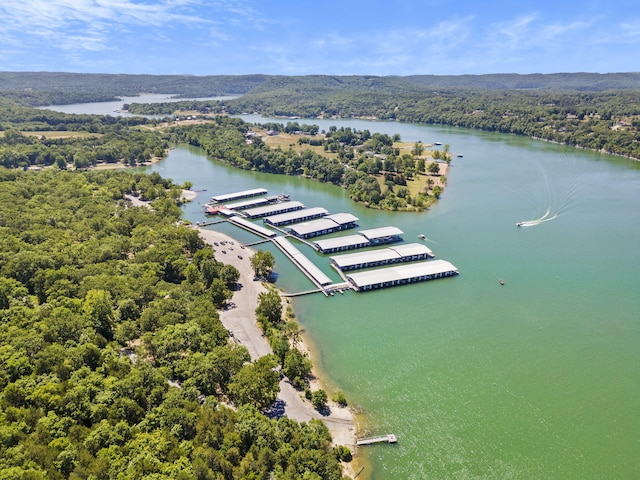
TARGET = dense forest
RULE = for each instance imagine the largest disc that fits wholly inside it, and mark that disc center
(113, 361)
(588, 110)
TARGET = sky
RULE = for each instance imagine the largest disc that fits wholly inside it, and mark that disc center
(332, 37)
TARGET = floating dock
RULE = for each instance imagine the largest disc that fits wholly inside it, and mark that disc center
(237, 195)
(252, 227)
(381, 235)
(401, 274)
(329, 224)
(252, 202)
(409, 252)
(389, 438)
(296, 216)
(304, 264)
(282, 207)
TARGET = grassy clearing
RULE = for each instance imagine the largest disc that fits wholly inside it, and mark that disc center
(288, 140)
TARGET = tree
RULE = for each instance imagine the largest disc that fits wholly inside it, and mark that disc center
(255, 384)
(269, 308)
(319, 399)
(98, 310)
(339, 398)
(263, 263)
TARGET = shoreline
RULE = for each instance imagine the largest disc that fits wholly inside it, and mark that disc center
(240, 320)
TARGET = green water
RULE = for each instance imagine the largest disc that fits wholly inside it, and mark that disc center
(536, 378)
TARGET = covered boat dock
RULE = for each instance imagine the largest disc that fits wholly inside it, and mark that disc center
(340, 244)
(296, 216)
(401, 274)
(373, 258)
(275, 209)
(252, 202)
(381, 235)
(329, 224)
(254, 192)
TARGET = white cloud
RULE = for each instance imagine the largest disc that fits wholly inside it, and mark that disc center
(86, 24)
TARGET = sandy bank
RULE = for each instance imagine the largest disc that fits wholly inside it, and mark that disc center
(240, 320)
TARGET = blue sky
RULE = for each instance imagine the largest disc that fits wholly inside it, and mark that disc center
(283, 37)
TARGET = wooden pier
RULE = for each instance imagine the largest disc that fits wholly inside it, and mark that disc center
(389, 438)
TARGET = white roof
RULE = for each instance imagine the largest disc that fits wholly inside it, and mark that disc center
(400, 272)
(313, 226)
(241, 194)
(252, 226)
(273, 209)
(226, 212)
(397, 252)
(382, 232)
(343, 218)
(350, 259)
(306, 264)
(252, 202)
(293, 216)
(409, 249)
(344, 241)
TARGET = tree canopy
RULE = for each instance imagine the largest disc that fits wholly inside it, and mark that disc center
(113, 361)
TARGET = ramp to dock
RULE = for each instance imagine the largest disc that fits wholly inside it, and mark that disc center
(389, 438)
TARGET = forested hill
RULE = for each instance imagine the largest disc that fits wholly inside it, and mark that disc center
(42, 88)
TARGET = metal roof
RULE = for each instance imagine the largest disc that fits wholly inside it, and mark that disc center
(382, 232)
(330, 222)
(342, 218)
(350, 259)
(307, 265)
(409, 249)
(313, 226)
(227, 213)
(274, 209)
(292, 217)
(344, 241)
(252, 226)
(400, 272)
(253, 202)
(398, 253)
(244, 193)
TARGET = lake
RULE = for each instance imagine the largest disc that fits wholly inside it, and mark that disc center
(114, 108)
(536, 378)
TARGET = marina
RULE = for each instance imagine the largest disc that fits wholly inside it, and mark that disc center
(289, 211)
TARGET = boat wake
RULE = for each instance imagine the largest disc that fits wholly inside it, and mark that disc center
(537, 221)
(549, 194)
